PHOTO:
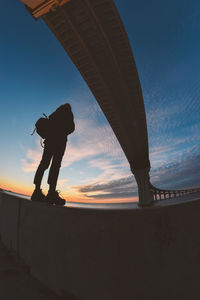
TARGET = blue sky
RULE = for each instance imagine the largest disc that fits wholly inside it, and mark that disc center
(37, 76)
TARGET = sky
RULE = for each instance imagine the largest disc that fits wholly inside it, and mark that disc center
(36, 76)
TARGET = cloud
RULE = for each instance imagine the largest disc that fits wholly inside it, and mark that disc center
(111, 169)
(32, 158)
(176, 165)
(181, 174)
(98, 145)
(62, 182)
(171, 149)
(172, 108)
(123, 195)
(107, 186)
(121, 188)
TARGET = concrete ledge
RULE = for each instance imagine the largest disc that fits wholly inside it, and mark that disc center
(106, 254)
(9, 221)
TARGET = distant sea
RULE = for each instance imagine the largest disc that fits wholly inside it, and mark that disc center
(124, 205)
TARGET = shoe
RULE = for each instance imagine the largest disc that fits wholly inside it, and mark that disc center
(38, 196)
(54, 198)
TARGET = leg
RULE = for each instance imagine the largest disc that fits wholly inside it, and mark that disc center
(55, 166)
(53, 196)
(44, 164)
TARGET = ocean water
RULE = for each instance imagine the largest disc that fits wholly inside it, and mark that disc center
(125, 205)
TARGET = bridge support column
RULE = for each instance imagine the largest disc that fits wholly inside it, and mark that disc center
(144, 192)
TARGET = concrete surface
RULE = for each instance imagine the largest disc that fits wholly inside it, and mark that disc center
(150, 253)
(16, 282)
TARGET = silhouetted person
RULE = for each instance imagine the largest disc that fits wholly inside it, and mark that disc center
(61, 123)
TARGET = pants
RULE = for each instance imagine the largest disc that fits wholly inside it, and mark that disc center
(52, 151)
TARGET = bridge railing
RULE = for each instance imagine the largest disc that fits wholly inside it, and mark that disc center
(161, 194)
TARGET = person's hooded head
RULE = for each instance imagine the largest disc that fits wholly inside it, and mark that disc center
(64, 108)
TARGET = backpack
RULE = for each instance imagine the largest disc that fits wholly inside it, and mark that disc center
(62, 124)
(42, 127)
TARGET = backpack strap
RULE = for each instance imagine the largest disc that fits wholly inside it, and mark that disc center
(33, 131)
(35, 127)
(42, 143)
